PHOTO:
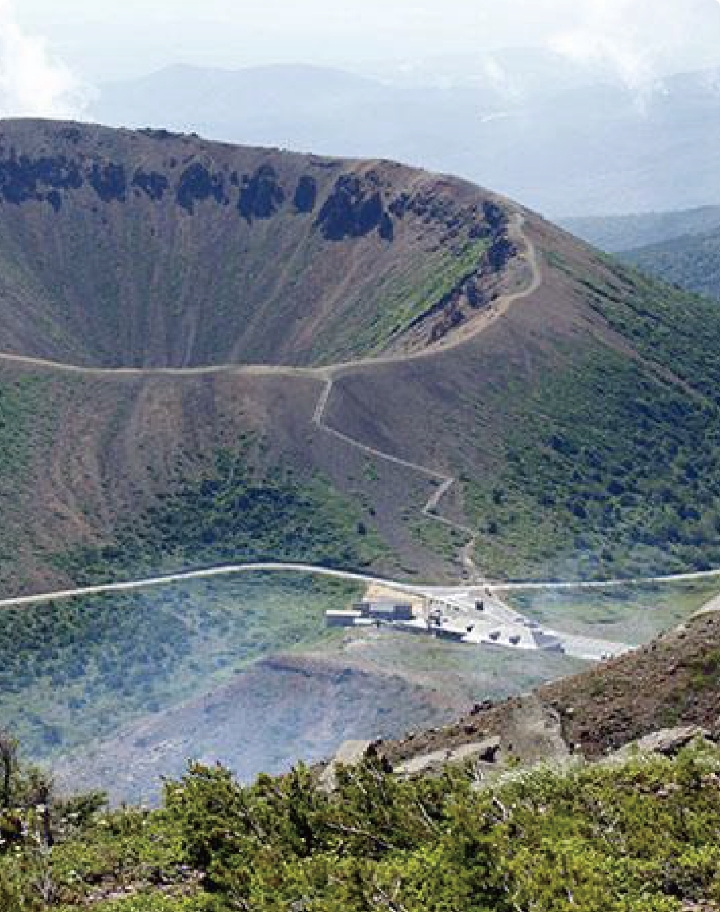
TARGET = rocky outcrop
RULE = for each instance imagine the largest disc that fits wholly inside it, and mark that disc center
(306, 194)
(261, 195)
(667, 741)
(354, 209)
(23, 178)
(109, 181)
(495, 217)
(197, 183)
(152, 183)
(501, 251)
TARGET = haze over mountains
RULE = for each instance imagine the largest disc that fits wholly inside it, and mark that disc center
(679, 247)
(564, 138)
(617, 234)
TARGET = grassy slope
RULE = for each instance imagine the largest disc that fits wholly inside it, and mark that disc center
(610, 459)
(113, 480)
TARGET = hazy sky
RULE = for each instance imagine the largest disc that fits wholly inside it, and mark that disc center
(50, 51)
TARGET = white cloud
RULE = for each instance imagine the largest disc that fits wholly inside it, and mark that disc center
(636, 39)
(32, 82)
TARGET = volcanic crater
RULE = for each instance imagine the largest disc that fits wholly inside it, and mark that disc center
(150, 249)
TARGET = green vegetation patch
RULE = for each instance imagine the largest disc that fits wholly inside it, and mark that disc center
(671, 328)
(23, 406)
(230, 515)
(608, 471)
(634, 837)
(630, 614)
(401, 299)
(406, 303)
(76, 670)
(439, 538)
(27, 421)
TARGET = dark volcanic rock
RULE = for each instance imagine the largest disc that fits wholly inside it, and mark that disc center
(159, 134)
(387, 229)
(198, 184)
(21, 178)
(55, 199)
(353, 210)
(152, 183)
(109, 181)
(261, 195)
(495, 216)
(306, 194)
(500, 253)
(400, 205)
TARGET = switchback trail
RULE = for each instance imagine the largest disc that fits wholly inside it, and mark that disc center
(328, 374)
(443, 481)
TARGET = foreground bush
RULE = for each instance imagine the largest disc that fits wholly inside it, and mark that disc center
(638, 837)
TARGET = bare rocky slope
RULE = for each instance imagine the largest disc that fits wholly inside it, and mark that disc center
(558, 411)
(673, 682)
(124, 249)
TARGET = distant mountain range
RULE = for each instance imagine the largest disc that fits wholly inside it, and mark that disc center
(617, 234)
(679, 247)
(564, 140)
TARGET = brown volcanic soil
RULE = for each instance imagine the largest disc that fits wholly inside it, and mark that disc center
(111, 449)
(91, 453)
(123, 248)
(673, 681)
(102, 449)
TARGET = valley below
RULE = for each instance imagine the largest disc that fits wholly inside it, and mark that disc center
(118, 691)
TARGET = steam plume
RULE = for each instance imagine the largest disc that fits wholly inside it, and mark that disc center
(32, 82)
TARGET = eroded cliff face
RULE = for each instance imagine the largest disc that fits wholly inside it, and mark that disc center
(152, 249)
(354, 207)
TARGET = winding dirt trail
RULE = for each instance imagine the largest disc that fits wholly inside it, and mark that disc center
(474, 328)
(328, 374)
(444, 482)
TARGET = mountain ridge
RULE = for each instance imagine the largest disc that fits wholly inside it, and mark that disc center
(148, 474)
(187, 226)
